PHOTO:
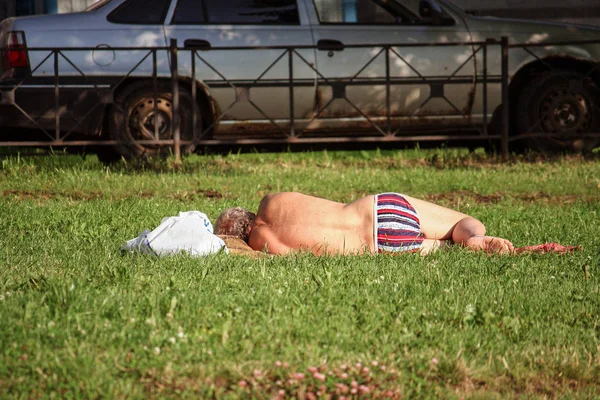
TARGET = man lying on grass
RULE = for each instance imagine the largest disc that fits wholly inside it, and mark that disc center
(387, 222)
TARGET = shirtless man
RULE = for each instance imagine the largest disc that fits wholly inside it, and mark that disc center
(387, 222)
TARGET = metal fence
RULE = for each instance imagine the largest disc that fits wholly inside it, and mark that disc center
(196, 53)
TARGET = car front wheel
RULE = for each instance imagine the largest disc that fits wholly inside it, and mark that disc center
(562, 104)
(140, 114)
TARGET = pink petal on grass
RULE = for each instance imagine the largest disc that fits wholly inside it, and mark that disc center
(342, 388)
(319, 376)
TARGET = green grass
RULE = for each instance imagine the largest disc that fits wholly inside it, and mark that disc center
(81, 320)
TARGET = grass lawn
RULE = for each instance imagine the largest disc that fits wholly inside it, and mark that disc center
(78, 319)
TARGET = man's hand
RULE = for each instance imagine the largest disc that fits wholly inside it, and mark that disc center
(490, 244)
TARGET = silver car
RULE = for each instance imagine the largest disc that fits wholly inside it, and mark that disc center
(295, 70)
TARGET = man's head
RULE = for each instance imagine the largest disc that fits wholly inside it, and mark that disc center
(236, 222)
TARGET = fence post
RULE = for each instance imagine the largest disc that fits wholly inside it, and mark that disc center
(505, 106)
(155, 93)
(291, 89)
(175, 123)
(56, 98)
(485, 87)
(388, 107)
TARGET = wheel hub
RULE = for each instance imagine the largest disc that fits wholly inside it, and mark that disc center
(146, 119)
(160, 120)
(565, 112)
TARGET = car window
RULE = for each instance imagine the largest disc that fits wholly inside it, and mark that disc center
(414, 6)
(146, 12)
(353, 12)
(370, 12)
(189, 12)
(256, 12)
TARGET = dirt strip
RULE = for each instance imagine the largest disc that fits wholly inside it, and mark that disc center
(17, 194)
(461, 196)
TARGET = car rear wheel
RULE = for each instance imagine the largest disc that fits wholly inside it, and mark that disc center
(563, 104)
(141, 115)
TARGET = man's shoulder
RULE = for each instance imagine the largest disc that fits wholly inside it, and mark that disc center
(260, 235)
(279, 197)
(282, 194)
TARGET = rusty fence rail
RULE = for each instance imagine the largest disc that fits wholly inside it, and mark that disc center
(58, 136)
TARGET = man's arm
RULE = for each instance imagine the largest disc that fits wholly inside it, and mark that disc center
(470, 233)
(263, 239)
(466, 228)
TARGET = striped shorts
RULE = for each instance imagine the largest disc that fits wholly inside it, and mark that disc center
(396, 224)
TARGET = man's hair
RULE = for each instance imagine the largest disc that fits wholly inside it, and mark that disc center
(235, 222)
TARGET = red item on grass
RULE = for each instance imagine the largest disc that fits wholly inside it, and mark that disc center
(547, 248)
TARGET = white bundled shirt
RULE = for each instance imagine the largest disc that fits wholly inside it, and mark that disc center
(189, 232)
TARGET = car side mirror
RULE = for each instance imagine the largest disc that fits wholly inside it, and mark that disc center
(430, 10)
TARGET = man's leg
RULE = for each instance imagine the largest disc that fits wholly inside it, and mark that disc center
(432, 245)
(441, 223)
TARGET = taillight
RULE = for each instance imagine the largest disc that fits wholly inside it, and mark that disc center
(17, 53)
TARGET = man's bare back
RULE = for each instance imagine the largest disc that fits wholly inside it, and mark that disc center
(287, 222)
(293, 221)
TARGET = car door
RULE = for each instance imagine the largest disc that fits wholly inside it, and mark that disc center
(246, 77)
(417, 71)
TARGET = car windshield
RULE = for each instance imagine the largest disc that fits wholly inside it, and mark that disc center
(97, 5)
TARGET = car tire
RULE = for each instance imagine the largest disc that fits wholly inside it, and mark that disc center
(107, 154)
(132, 119)
(559, 102)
